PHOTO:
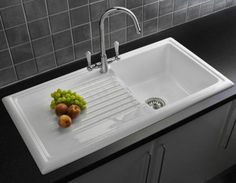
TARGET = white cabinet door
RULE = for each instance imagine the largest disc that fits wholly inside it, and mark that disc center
(191, 147)
(133, 167)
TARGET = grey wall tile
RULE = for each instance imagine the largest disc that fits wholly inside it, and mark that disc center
(193, 12)
(180, 4)
(96, 43)
(119, 36)
(117, 21)
(149, 1)
(131, 33)
(81, 33)
(35, 9)
(150, 27)
(117, 3)
(59, 22)
(166, 7)
(92, 1)
(56, 32)
(82, 12)
(95, 28)
(17, 35)
(7, 76)
(230, 3)
(207, 8)
(165, 22)
(6, 3)
(3, 43)
(193, 2)
(134, 3)
(42, 46)
(81, 48)
(64, 56)
(179, 17)
(55, 6)
(150, 11)
(12, 16)
(22, 53)
(77, 3)
(39, 28)
(219, 4)
(46, 62)
(5, 59)
(26, 69)
(97, 9)
(62, 40)
(138, 13)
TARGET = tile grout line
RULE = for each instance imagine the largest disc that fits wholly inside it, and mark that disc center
(201, 6)
(109, 28)
(158, 17)
(126, 24)
(71, 30)
(109, 23)
(50, 32)
(29, 36)
(91, 33)
(186, 12)
(158, 8)
(199, 11)
(142, 28)
(172, 15)
(8, 48)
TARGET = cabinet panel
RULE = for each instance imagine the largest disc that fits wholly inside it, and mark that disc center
(190, 148)
(226, 154)
(132, 167)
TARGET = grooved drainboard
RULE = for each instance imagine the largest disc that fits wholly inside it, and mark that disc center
(52, 146)
(106, 99)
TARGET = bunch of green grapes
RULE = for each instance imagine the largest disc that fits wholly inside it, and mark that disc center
(67, 97)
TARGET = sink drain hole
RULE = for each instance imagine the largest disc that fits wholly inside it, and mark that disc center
(155, 103)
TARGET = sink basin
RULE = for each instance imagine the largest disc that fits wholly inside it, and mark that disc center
(116, 101)
(169, 71)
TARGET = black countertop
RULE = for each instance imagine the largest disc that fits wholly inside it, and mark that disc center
(213, 38)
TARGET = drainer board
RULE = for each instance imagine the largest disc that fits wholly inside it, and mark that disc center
(52, 146)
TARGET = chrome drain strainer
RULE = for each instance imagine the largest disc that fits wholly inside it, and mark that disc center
(155, 103)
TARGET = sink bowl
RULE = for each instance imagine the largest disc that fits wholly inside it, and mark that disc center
(167, 70)
(116, 101)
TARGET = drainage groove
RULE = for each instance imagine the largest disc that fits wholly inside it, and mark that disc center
(155, 103)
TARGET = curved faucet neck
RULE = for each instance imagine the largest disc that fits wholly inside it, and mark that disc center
(102, 32)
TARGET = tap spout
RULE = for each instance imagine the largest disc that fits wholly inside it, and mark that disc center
(104, 67)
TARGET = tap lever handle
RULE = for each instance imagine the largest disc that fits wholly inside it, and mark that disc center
(88, 56)
(116, 46)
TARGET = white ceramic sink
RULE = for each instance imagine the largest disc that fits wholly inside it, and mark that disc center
(116, 101)
(169, 71)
